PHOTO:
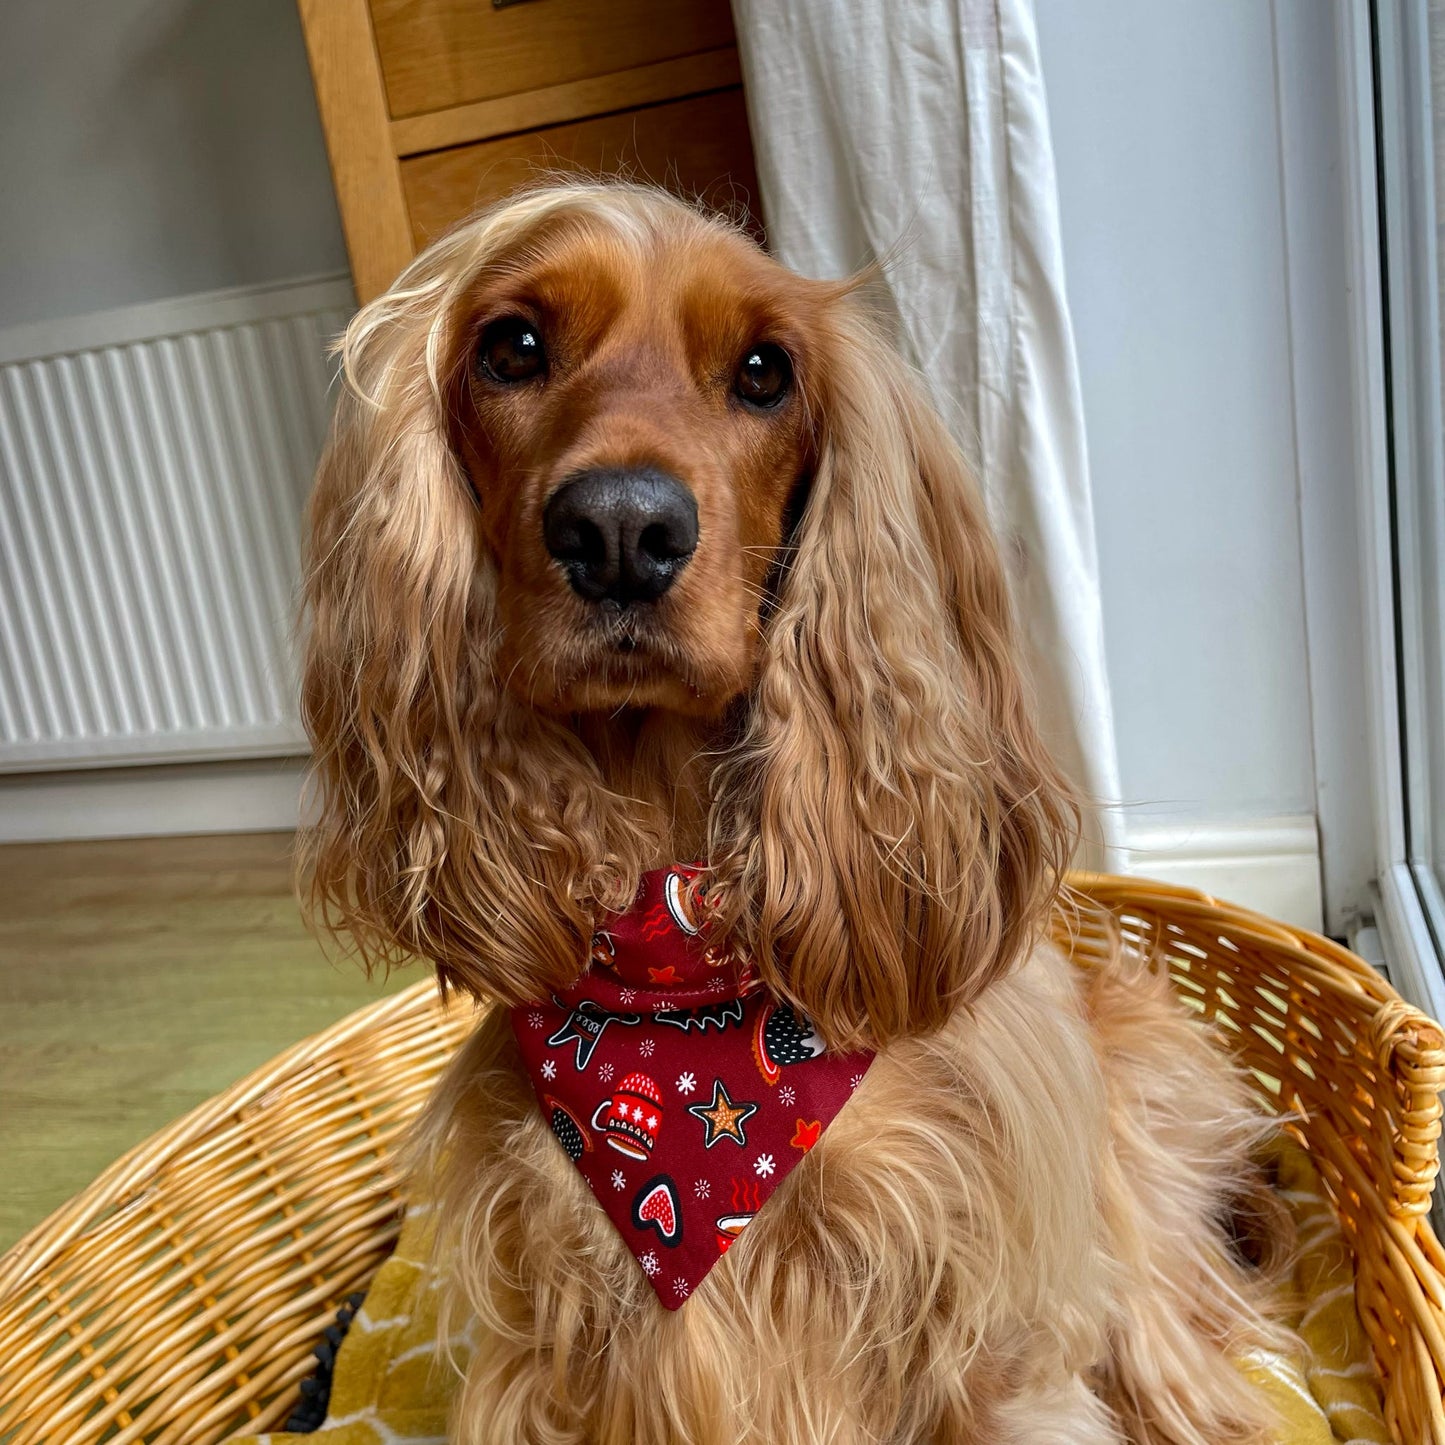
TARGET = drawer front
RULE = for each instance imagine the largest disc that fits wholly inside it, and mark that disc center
(440, 53)
(699, 146)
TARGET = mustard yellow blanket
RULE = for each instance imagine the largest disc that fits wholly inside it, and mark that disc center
(393, 1386)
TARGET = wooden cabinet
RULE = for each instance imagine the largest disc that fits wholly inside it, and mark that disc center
(434, 107)
(436, 54)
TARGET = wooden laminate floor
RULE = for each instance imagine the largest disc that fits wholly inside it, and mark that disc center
(137, 978)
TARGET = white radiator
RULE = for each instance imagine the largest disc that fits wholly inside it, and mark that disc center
(153, 467)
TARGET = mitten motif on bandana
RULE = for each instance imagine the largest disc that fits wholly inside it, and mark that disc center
(683, 1091)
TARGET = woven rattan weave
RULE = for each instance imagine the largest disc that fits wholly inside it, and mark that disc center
(178, 1297)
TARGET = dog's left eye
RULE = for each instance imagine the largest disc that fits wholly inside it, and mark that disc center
(764, 375)
(511, 350)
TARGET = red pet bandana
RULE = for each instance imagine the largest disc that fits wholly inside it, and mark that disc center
(677, 1084)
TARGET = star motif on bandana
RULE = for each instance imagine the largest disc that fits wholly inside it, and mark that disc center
(807, 1134)
(723, 1118)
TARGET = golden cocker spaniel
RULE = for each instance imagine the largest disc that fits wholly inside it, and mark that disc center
(630, 548)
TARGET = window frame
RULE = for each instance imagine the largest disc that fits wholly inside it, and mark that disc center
(1390, 243)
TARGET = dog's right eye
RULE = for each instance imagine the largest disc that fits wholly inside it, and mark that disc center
(510, 351)
(765, 375)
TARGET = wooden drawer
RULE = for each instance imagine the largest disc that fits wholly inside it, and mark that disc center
(434, 107)
(697, 147)
(440, 53)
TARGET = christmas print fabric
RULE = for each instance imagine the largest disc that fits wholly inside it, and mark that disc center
(683, 1091)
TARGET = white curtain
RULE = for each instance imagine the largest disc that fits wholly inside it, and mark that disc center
(916, 134)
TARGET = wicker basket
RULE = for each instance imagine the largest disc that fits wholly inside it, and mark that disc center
(178, 1297)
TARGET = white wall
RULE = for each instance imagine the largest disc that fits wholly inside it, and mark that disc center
(1166, 138)
(184, 153)
(154, 148)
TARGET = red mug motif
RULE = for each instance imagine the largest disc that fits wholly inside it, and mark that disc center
(631, 1119)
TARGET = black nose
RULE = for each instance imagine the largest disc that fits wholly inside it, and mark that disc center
(621, 535)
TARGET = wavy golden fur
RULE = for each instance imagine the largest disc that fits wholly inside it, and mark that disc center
(1015, 1231)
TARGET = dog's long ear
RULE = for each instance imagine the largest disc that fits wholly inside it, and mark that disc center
(454, 824)
(891, 833)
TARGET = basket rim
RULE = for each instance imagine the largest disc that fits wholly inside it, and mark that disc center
(1304, 946)
(130, 1174)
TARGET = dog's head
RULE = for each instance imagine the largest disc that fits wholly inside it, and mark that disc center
(628, 417)
(621, 525)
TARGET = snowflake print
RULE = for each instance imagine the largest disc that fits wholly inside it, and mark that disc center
(605, 1073)
(535, 1020)
(686, 1083)
(702, 1189)
(549, 1068)
(680, 1288)
(763, 1165)
(787, 1096)
(619, 1179)
(646, 1048)
(717, 985)
(628, 995)
(651, 1263)
(855, 1081)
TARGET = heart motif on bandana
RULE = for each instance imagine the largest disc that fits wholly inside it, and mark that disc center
(658, 1207)
(682, 1090)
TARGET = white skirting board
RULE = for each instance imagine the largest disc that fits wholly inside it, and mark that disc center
(244, 796)
(1269, 864)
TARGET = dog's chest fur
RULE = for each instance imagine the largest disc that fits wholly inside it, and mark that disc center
(949, 1206)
